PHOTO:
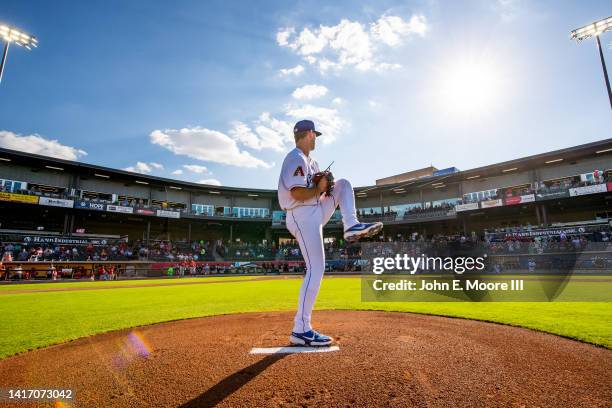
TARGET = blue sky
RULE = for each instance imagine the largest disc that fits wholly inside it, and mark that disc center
(209, 90)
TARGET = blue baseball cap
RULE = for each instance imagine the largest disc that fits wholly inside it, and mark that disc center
(305, 125)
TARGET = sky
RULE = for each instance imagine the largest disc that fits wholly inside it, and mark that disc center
(208, 91)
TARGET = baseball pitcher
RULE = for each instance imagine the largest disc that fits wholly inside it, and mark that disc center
(310, 197)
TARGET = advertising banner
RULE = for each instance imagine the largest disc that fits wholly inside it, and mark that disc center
(449, 170)
(19, 198)
(491, 203)
(544, 232)
(119, 209)
(56, 202)
(529, 198)
(594, 189)
(466, 207)
(88, 205)
(43, 239)
(145, 211)
(168, 214)
(551, 195)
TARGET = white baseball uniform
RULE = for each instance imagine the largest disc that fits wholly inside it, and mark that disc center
(305, 221)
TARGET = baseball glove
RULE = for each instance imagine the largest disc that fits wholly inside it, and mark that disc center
(330, 180)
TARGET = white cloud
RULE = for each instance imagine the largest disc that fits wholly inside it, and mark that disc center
(271, 129)
(268, 133)
(338, 101)
(328, 121)
(391, 29)
(37, 144)
(211, 181)
(297, 70)
(177, 172)
(308, 92)
(283, 35)
(195, 168)
(144, 168)
(373, 104)
(243, 134)
(351, 43)
(206, 145)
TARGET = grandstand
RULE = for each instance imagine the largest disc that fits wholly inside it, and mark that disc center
(58, 210)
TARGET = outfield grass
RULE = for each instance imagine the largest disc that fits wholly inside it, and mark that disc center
(33, 320)
(46, 285)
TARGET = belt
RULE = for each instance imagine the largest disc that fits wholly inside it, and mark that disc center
(300, 206)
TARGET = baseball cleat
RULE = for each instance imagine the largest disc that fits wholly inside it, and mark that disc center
(310, 338)
(362, 230)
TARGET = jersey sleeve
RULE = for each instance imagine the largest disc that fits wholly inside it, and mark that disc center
(295, 172)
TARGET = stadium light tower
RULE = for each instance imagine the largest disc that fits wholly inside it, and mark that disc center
(595, 30)
(12, 35)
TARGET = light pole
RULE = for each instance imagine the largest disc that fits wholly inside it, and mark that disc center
(595, 30)
(12, 35)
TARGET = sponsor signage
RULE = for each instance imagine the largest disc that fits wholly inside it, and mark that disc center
(88, 205)
(491, 203)
(594, 189)
(449, 170)
(19, 198)
(529, 198)
(145, 211)
(577, 230)
(56, 202)
(43, 239)
(551, 195)
(610, 186)
(168, 214)
(466, 207)
(119, 209)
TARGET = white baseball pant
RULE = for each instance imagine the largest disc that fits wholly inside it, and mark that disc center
(306, 224)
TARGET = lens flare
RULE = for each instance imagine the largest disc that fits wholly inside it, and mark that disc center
(132, 347)
(140, 344)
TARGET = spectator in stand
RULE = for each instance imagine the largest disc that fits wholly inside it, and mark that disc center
(23, 255)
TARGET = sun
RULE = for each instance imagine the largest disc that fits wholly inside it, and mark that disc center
(470, 87)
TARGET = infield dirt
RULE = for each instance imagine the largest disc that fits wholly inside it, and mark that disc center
(385, 359)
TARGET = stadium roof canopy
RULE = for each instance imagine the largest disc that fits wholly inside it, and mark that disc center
(525, 163)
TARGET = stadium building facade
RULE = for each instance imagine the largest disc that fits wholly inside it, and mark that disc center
(50, 199)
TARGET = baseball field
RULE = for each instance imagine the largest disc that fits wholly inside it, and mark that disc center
(41, 315)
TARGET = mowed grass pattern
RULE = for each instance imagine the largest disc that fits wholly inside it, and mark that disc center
(34, 320)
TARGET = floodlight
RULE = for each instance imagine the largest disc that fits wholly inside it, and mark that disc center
(11, 35)
(595, 30)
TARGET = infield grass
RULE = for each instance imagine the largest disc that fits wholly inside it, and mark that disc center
(38, 319)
